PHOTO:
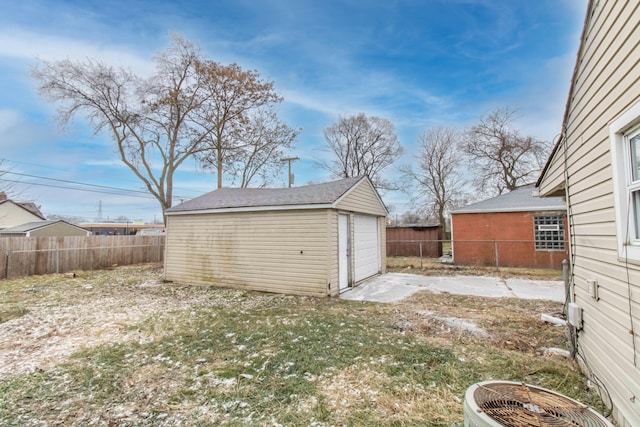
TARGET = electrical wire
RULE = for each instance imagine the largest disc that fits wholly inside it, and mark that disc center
(72, 182)
(626, 266)
(82, 183)
(571, 224)
(119, 190)
(607, 407)
(141, 196)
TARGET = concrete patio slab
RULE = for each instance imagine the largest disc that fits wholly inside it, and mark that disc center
(392, 287)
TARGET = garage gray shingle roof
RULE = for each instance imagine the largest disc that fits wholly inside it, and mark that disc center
(519, 200)
(226, 198)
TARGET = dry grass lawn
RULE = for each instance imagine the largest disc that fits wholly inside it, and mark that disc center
(122, 348)
(432, 267)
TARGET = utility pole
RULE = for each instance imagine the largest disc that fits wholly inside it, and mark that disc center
(289, 160)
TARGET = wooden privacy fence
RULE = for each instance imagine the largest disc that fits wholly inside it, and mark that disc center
(26, 256)
(414, 240)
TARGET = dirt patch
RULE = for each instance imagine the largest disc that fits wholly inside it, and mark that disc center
(508, 323)
(62, 316)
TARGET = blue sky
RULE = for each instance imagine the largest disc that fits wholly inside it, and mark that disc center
(418, 63)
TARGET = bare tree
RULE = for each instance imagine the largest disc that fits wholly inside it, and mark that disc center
(160, 121)
(235, 94)
(410, 218)
(155, 122)
(500, 156)
(362, 145)
(439, 175)
(265, 140)
(68, 218)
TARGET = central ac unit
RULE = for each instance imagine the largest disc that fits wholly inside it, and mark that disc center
(506, 403)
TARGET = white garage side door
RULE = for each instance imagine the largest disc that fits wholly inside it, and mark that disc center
(343, 252)
(366, 246)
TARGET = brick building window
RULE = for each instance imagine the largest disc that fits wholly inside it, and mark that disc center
(549, 232)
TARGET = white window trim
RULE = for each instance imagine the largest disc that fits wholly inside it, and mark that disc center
(620, 170)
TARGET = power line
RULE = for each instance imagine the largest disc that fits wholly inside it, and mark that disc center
(80, 183)
(73, 182)
(141, 196)
(31, 164)
(139, 193)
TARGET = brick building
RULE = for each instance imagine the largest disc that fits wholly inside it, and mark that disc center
(516, 229)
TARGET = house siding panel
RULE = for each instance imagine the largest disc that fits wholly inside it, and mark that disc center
(382, 225)
(362, 198)
(332, 252)
(12, 215)
(280, 251)
(58, 230)
(606, 84)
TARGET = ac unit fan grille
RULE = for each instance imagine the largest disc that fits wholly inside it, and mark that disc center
(522, 405)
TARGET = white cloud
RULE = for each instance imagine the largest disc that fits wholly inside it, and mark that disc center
(29, 45)
(8, 119)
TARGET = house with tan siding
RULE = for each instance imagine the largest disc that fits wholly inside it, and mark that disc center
(595, 166)
(316, 240)
(16, 213)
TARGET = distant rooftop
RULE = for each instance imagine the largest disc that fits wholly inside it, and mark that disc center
(34, 225)
(519, 200)
(227, 198)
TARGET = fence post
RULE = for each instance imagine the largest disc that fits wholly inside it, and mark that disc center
(420, 254)
(57, 260)
(8, 264)
(567, 288)
(495, 245)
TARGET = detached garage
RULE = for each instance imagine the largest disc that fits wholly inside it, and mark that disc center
(313, 240)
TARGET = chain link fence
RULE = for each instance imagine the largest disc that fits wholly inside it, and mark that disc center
(498, 253)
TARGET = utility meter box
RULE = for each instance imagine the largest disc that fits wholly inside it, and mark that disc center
(574, 315)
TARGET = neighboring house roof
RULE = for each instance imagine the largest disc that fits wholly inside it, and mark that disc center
(309, 196)
(31, 207)
(35, 225)
(519, 200)
(28, 206)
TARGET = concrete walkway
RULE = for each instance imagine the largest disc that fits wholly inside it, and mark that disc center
(392, 287)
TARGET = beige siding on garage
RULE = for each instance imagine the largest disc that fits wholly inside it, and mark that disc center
(382, 225)
(362, 198)
(275, 251)
(606, 84)
(59, 230)
(332, 252)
